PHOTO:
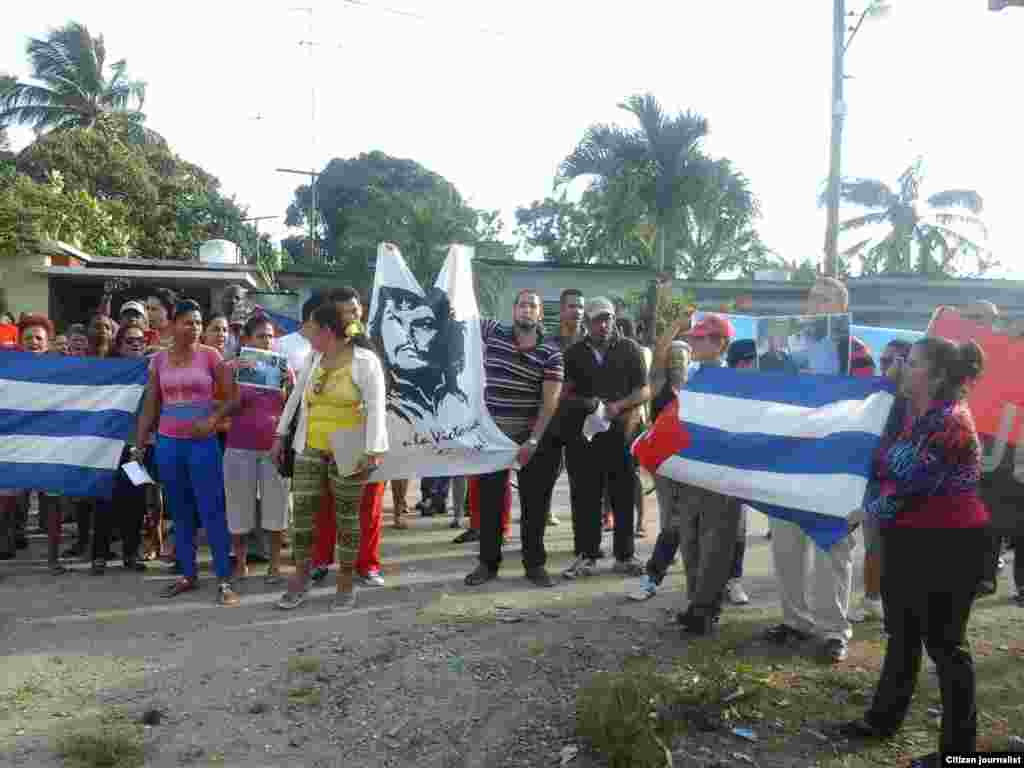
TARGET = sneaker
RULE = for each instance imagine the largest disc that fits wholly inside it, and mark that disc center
(1019, 598)
(699, 623)
(734, 592)
(835, 650)
(581, 568)
(226, 596)
(371, 579)
(467, 536)
(630, 567)
(856, 730)
(273, 578)
(645, 591)
(870, 609)
(318, 574)
(291, 600)
(552, 520)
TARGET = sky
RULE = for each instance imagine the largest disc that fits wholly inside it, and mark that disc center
(493, 95)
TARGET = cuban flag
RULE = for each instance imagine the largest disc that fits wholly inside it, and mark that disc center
(799, 448)
(64, 421)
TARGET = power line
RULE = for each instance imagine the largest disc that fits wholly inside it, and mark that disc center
(416, 16)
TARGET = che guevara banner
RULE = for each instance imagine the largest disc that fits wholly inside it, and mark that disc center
(432, 352)
(997, 403)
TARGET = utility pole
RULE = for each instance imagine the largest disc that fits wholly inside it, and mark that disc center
(836, 143)
(313, 176)
(256, 226)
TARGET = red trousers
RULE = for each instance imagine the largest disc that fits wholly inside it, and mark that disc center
(370, 520)
(474, 506)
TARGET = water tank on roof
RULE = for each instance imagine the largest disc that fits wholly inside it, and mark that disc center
(770, 275)
(219, 252)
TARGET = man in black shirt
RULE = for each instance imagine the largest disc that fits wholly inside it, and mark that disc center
(603, 369)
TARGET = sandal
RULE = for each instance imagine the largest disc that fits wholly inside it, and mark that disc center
(99, 567)
(226, 595)
(179, 586)
(273, 577)
(56, 569)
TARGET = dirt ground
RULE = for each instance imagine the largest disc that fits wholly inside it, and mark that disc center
(425, 672)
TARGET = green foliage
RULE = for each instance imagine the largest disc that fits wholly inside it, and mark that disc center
(375, 198)
(71, 86)
(618, 714)
(169, 204)
(31, 212)
(671, 307)
(911, 238)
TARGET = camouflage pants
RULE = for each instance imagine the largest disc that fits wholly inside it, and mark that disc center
(313, 471)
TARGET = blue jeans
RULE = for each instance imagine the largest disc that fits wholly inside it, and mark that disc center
(192, 474)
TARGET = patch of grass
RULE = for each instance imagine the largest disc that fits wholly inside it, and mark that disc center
(304, 696)
(110, 742)
(303, 665)
(22, 696)
(617, 713)
(535, 647)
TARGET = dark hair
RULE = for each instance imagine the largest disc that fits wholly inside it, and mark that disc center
(343, 294)
(35, 321)
(310, 305)
(740, 350)
(216, 316)
(119, 338)
(958, 364)
(186, 306)
(327, 316)
(448, 351)
(255, 322)
(626, 327)
(167, 297)
(75, 329)
(529, 292)
(569, 293)
(13, 319)
(901, 345)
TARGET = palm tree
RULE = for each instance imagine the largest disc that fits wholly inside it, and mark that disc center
(664, 154)
(931, 233)
(70, 88)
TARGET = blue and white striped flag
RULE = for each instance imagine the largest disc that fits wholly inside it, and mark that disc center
(795, 447)
(64, 421)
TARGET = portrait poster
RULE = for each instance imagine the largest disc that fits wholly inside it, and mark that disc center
(997, 404)
(432, 352)
(269, 370)
(803, 344)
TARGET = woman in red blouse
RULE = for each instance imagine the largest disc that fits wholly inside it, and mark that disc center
(928, 472)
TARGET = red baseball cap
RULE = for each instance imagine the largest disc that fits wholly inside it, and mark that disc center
(712, 325)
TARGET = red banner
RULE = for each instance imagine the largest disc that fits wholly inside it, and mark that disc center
(1002, 383)
(8, 335)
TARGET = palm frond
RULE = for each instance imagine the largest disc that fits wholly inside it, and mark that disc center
(954, 219)
(648, 112)
(910, 180)
(603, 151)
(951, 198)
(868, 219)
(867, 193)
(856, 248)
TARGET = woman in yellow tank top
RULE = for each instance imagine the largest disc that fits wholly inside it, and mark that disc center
(340, 439)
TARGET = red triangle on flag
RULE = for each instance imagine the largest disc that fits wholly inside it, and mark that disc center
(666, 437)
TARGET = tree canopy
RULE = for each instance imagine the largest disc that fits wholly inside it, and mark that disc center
(71, 86)
(654, 198)
(365, 200)
(911, 237)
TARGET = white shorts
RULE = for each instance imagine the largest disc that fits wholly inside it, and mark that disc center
(250, 478)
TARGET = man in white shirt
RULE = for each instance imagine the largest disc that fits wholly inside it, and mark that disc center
(296, 345)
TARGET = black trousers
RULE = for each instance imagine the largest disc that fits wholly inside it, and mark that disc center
(536, 483)
(563, 446)
(604, 462)
(928, 600)
(993, 549)
(125, 510)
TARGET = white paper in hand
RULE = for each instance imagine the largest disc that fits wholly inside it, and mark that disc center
(349, 447)
(137, 473)
(596, 423)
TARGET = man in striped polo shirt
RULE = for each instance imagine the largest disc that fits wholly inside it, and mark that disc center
(524, 379)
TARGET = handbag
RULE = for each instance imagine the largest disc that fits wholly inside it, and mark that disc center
(287, 467)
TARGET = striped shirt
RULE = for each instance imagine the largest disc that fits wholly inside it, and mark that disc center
(515, 377)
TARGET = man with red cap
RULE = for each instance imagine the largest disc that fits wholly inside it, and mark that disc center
(708, 522)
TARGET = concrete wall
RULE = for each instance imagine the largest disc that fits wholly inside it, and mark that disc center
(25, 290)
(889, 302)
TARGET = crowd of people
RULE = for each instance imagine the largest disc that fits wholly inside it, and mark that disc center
(263, 470)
